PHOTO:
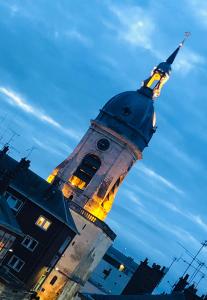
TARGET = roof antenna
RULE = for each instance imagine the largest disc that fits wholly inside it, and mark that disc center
(30, 150)
(14, 133)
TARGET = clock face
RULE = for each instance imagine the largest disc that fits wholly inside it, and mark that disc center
(103, 144)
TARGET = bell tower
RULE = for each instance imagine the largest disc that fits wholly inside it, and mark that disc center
(92, 174)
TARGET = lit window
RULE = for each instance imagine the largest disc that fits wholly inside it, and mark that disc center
(29, 243)
(121, 268)
(85, 172)
(43, 223)
(14, 203)
(16, 263)
(2, 244)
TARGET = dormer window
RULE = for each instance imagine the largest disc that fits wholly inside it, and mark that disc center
(43, 223)
(85, 171)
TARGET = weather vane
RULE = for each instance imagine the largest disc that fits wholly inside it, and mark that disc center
(186, 36)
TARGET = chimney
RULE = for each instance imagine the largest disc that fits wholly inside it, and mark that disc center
(181, 284)
(8, 175)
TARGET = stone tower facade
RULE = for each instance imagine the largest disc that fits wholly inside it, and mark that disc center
(92, 174)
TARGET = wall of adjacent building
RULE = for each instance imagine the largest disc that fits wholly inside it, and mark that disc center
(7, 293)
(78, 261)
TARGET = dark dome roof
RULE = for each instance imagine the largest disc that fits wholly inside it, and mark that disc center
(130, 114)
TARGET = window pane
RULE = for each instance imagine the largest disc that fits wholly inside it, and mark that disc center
(16, 263)
(1, 245)
(14, 203)
(11, 201)
(40, 221)
(47, 224)
(33, 244)
(26, 241)
(13, 261)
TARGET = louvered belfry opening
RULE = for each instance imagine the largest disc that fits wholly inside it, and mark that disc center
(85, 171)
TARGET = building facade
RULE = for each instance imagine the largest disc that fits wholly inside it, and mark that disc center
(47, 226)
(111, 275)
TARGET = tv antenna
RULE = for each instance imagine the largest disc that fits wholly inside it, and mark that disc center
(30, 151)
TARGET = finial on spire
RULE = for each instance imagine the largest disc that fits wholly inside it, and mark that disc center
(172, 57)
(186, 36)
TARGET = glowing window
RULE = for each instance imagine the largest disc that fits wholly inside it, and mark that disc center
(85, 171)
(121, 268)
(43, 223)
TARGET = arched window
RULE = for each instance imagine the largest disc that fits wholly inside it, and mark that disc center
(85, 171)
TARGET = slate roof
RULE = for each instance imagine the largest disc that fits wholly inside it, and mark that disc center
(7, 219)
(177, 296)
(39, 191)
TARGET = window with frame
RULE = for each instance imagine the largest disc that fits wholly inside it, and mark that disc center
(14, 203)
(29, 243)
(43, 223)
(16, 263)
(6, 241)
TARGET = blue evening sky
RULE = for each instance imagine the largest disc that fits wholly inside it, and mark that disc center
(60, 61)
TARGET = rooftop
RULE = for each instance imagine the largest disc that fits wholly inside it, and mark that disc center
(38, 191)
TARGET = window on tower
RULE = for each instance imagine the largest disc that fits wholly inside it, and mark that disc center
(85, 171)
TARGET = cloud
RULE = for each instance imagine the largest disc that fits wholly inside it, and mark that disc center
(78, 36)
(187, 60)
(158, 178)
(13, 99)
(47, 147)
(199, 11)
(135, 26)
(130, 195)
(198, 220)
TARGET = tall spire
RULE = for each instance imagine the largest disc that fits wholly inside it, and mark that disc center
(153, 85)
(172, 57)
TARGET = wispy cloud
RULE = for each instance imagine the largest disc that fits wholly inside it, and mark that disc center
(132, 196)
(158, 178)
(47, 147)
(199, 11)
(187, 60)
(198, 220)
(78, 36)
(194, 218)
(13, 99)
(135, 26)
